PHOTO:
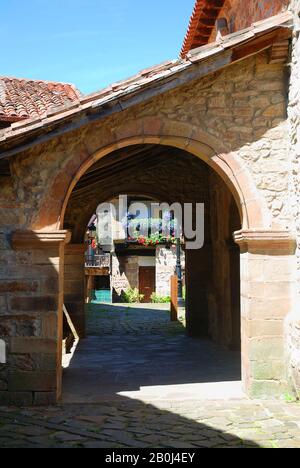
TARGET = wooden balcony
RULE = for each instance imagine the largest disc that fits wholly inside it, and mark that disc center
(97, 265)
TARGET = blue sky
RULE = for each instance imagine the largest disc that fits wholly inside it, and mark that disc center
(90, 43)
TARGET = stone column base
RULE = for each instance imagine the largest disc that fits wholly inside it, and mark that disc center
(34, 313)
(267, 280)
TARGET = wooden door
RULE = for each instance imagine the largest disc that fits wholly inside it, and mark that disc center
(147, 282)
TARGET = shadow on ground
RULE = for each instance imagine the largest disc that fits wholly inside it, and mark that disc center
(135, 351)
(131, 347)
(125, 424)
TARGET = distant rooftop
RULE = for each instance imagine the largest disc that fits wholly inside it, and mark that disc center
(242, 12)
(201, 24)
(22, 99)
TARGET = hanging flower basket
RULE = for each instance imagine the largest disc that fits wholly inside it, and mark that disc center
(155, 228)
(155, 240)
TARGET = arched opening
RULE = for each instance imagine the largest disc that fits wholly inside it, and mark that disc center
(166, 174)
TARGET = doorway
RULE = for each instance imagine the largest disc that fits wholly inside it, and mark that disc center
(147, 283)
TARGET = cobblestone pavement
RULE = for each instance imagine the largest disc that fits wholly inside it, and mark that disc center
(235, 424)
(132, 319)
(119, 421)
(137, 352)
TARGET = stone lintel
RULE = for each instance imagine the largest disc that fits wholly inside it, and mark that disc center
(266, 240)
(24, 240)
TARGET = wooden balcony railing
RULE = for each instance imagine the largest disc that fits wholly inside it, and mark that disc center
(97, 261)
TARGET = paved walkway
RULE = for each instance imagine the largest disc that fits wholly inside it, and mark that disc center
(138, 353)
(150, 394)
(135, 424)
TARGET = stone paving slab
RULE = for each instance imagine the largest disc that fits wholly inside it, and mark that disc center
(135, 351)
(132, 424)
(147, 377)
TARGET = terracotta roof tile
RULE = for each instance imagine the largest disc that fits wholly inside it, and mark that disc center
(201, 24)
(206, 12)
(23, 98)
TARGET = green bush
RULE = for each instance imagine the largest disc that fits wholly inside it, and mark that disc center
(132, 296)
(156, 299)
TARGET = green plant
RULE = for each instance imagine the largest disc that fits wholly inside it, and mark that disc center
(132, 296)
(290, 398)
(156, 299)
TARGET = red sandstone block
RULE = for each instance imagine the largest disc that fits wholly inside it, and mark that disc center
(72, 286)
(18, 286)
(24, 345)
(46, 257)
(50, 326)
(33, 273)
(31, 381)
(71, 259)
(48, 215)
(45, 362)
(60, 185)
(50, 285)
(131, 129)
(39, 304)
(16, 398)
(73, 271)
(152, 126)
(44, 398)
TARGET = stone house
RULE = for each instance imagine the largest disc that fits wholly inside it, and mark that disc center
(142, 263)
(220, 125)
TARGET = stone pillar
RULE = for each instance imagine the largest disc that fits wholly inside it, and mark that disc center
(198, 267)
(34, 295)
(74, 289)
(267, 282)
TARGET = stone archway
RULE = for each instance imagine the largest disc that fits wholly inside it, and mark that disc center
(251, 205)
(199, 115)
(174, 176)
(262, 332)
(191, 182)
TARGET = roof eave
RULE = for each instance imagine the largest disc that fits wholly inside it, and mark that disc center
(198, 63)
(203, 10)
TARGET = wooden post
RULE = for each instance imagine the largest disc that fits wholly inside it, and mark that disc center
(90, 286)
(174, 298)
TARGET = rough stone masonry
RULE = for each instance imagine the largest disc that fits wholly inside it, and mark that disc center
(235, 120)
(293, 324)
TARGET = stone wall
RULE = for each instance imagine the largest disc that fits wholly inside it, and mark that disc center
(240, 14)
(125, 275)
(241, 110)
(244, 108)
(165, 268)
(293, 323)
(31, 318)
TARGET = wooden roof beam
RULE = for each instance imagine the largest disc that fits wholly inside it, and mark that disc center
(208, 21)
(204, 31)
